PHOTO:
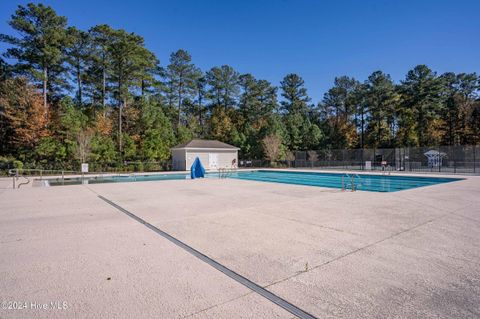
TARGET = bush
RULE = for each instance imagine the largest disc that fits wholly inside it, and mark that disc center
(9, 162)
(17, 164)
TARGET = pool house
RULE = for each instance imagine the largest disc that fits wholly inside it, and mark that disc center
(212, 153)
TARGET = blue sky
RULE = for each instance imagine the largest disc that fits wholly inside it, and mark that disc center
(316, 39)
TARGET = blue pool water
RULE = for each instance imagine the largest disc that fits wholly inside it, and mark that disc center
(364, 182)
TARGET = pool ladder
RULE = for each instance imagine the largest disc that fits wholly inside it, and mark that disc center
(225, 172)
(351, 178)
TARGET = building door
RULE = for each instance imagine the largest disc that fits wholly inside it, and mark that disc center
(213, 160)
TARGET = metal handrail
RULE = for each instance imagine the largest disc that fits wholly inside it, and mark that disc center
(345, 185)
(225, 172)
(24, 183)
(359, 180)
(352, 181)
(16, 173)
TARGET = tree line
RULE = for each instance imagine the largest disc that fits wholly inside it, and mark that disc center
(69, 95)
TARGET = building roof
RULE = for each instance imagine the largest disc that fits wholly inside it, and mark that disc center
(206, 144)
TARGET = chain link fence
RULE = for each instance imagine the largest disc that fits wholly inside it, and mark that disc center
(463, 159)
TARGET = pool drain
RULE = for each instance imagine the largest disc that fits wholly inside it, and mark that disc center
(230, 273)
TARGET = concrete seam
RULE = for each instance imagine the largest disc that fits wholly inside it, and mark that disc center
(356, 250)
(230, 273)
(219, 304)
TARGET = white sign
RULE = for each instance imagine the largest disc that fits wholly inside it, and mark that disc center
(84, 167)
(368, 165)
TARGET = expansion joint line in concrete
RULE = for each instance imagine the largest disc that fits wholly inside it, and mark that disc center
(230, 273)
(357, 250)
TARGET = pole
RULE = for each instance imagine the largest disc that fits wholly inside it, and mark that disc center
(363, 162)
(474, 146)
(15, 177)
(440, 161)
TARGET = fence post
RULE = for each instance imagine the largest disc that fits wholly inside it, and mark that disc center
(363, 162)
(454, 163)
(431, 165)
(474, 160)
(440, 160)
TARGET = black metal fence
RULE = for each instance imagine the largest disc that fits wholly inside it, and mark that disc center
(438, 159)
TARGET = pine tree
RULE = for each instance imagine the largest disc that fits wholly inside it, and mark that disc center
(294, 93)
(338, 108)
(39, 49)
(5, 70)
(224, 86)
(382, 101)
(99, 65)
(422, 102)
(181, 76)
(257, 104)
(129, 61)
(156, 132)
(361, 111)
(302, 134)
(78, 56)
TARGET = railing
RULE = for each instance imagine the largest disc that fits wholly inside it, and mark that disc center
(18, 173)
(354, 179)
(225, 172)
(359, 181)
(16, 178)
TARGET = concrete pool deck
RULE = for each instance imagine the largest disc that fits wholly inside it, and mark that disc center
(414, 253)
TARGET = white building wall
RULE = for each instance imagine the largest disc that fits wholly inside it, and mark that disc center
(191, 155)
(225, 158)
(178, 160)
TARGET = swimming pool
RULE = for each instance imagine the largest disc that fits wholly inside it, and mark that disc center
(364, 182)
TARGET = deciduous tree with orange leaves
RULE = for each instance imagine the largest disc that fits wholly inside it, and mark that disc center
(22, 114)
